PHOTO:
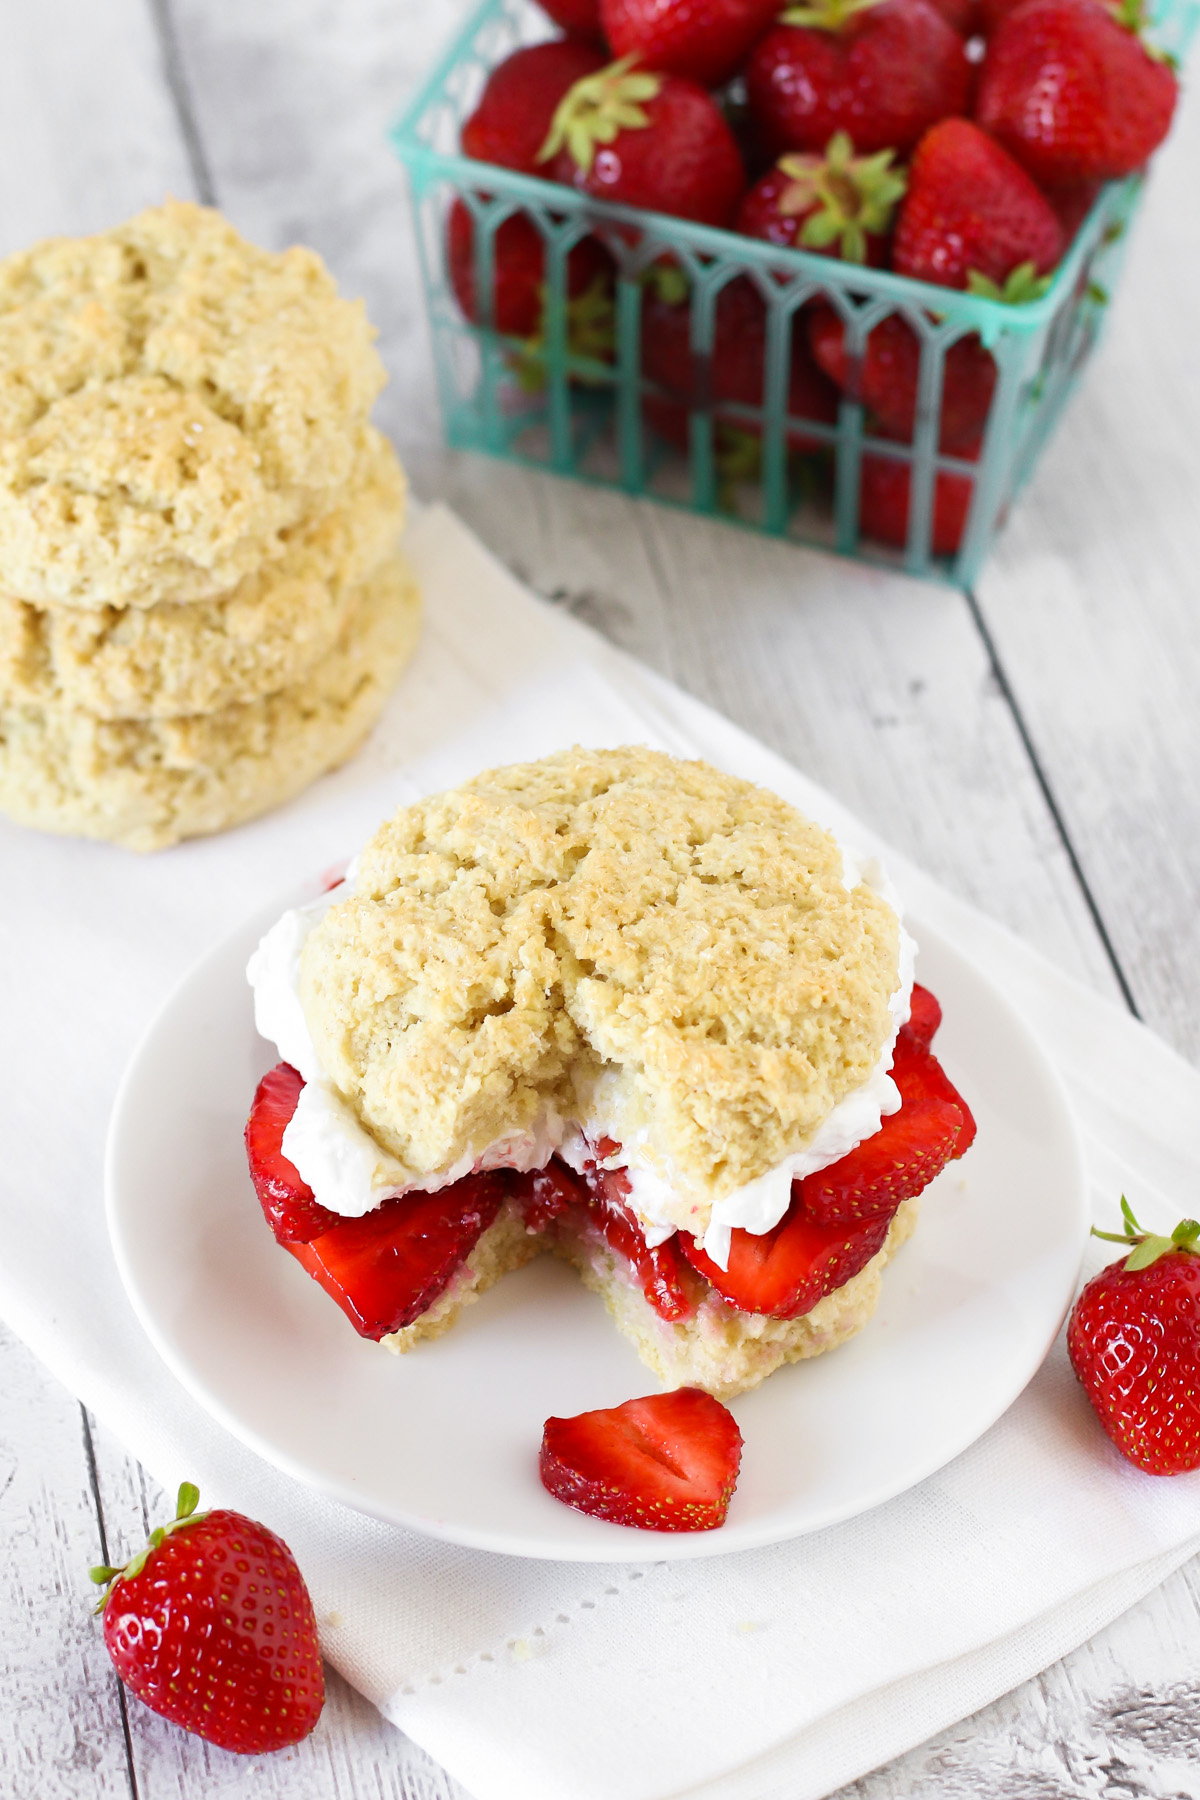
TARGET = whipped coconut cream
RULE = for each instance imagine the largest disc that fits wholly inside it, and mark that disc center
(351, 1174)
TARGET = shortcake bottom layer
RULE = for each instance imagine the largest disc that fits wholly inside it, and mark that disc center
(719, 1348)
(149, 783)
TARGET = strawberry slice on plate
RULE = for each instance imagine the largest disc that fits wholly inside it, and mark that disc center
(784, 1272)
(288, 1203)
(668, 1462)
(388, 1267)
(932, 1127)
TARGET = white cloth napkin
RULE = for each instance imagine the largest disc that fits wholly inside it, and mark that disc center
(770, 1675)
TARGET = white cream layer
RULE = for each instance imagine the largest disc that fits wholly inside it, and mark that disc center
(351, 1174)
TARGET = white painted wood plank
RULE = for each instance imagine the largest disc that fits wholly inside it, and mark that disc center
(1094, 601)
(60, 1726)
(87, 131)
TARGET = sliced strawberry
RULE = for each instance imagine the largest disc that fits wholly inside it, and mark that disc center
(661, 1270)
(387, 1268)
(924, 1017)
(668, 1462)
(549, 1194)
(909, 1149)
(285, 1197)
(785, 1272)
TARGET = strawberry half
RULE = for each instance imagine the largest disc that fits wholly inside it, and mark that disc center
(668, 1462)
(387, 1268)
(660, 1270)
(924, 1017)
(902, 1158)
(288, 1203)
(784, 1272)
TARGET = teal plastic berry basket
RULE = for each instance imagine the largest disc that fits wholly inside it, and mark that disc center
(544, 403)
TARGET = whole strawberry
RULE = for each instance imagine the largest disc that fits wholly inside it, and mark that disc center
(581, 16)
(838, 204)
(886, 377)
(882, 70)
(517, 105)
(885, 499)
(519, 280)
(706, 40)
(972, 218)
(1069, 87)
(658, 141)
(1134, 1341)
(212, 1626)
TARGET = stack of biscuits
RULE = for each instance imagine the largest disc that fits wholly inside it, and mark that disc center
(202, 601)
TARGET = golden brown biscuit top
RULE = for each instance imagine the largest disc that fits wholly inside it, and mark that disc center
(170, 397)
(617, 912)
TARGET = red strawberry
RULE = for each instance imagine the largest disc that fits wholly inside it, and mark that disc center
(838, 204)
(212, 1626)
(785, 1272)
(992, 13)
(649, 140)
(518, 103)
(1134, 1342)
(885, 489)
(1072, 205)
(387, 1268)
(909, 1149)
(706, 40)
(972, 218)
(287, 1201)
(661, 1271)
(581, 16)
(924, 1018)
(885, 378)
(519, 281)
(883, 71)
(734, 373)
(668, 1462)
(1071, 90)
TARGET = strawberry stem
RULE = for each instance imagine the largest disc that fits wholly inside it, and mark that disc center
(1147, 1246)
(845, 196)
(185, 1513)
(597, 109)
(825, 15)
(1021, 286)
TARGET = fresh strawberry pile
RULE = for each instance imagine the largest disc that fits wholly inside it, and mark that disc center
(387, 1268)
(959, 142)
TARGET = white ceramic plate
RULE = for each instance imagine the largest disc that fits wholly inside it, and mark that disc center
(446, 1438)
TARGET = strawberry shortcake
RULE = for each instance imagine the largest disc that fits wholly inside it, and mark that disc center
(617, 1006)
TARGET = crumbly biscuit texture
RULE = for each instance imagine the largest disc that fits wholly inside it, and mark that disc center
(148, 783)
(606, 926)
(169, 660)
(172, 398)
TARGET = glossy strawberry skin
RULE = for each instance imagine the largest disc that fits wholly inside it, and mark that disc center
(667, 1462)
(885, 490)
(217, 1634)
(902, 1158)
(683, 161)
(785, 1272)
(518, 271)
(924, 1016)
(579, 16)
(706, 40)
(388, 1267)
(1072, 94)
(734, 373)
(885, 379)
(888, 74)
(1134, 1342)
(289, 1205)
(969, 206)
(512, 120)
(760, 216)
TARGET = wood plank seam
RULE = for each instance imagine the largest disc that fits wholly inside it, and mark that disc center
(181, 99)
(89, 1451)
(1051, 799)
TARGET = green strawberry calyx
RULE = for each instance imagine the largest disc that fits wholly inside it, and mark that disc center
(1148, 1246)
(825, 15)
(1134, 16)
(185, 1514)
(1021, 286)
(845, 196)
(591, 334)
(598, 108)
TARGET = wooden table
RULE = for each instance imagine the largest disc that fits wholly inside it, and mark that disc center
(1036, 745)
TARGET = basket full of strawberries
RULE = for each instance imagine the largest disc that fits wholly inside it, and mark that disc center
(830, 269)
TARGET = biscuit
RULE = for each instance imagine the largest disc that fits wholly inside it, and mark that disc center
(609, 929)
(148, 783)
(170, 660)
(172, 398)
